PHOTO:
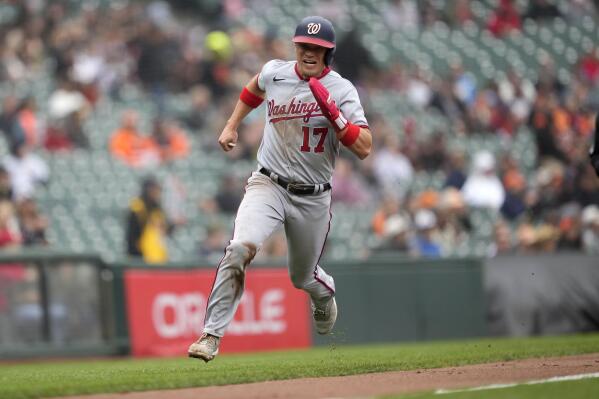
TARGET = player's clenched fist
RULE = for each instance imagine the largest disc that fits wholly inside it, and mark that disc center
(228, 138)
(327, 105)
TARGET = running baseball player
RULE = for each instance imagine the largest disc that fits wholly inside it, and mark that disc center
(311, 111)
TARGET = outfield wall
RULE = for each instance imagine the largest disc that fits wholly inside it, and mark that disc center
(65, 304)
(542, 294)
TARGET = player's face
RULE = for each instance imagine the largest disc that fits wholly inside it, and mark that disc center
(310, 59)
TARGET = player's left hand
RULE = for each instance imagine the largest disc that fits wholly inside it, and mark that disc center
(327, 104)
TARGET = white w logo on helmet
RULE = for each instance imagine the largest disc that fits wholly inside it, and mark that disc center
(313, 28)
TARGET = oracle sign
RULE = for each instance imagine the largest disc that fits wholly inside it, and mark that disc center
(166, 311)
(187, 314)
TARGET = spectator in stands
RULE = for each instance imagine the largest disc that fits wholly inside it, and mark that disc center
(229, 195)
(31, 123)
(131, 146)
(174, 199)
(10, 235)
(147, 225)
(392, 169)
(171, 141)
(541, 123)
(515, 190)
(459, 12)
(548, 191)
(456, 177)
(542, 9)
(590, 225)
(348, 187)
(548, 84)
(388, 207)
(9, 120)
(445, 99)
(588, 67)
(433, 153)
(425, 242)
(464, 84)
(32, 224)
(26, 169)
(396, 235)
(418, 89)
(505, 19)
(20, 122)
(570, 228)
(67, 109)
(482, 188)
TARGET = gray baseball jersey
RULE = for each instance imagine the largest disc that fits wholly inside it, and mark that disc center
(300, 145)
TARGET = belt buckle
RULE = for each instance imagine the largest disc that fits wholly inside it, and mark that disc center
(291, 187)
(300, 188)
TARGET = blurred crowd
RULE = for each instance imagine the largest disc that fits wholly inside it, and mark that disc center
(205, 52)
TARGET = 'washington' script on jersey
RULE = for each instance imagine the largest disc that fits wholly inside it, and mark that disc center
(295, 109)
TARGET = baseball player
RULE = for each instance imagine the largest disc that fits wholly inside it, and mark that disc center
(311, 111)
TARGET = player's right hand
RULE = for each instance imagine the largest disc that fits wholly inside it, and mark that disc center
(228, 139)
(327, 105)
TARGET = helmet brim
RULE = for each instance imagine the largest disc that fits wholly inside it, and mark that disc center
(313, 40)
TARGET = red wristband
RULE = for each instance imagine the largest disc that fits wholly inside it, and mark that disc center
(249, 98)
(351, 135)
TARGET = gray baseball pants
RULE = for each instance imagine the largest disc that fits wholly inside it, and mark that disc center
(265, 206)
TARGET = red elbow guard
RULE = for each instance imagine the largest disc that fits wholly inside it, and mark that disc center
(351, 135)
(249, 98)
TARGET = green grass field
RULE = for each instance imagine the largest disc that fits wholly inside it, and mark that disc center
(583, 389)
(47, 379)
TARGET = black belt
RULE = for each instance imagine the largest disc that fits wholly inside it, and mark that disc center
(296, 188)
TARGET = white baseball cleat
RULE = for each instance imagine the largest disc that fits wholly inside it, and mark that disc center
(205, 348)
(325, 316)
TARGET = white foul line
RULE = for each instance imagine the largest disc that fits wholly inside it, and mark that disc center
(534, 382)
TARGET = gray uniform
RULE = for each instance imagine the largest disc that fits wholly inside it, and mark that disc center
(300, 146)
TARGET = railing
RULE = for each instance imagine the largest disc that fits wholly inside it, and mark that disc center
(58, 304)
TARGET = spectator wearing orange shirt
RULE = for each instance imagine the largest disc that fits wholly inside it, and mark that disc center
(131, 146)
(170, 140)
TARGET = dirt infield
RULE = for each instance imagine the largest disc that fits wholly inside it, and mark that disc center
(366, 385)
